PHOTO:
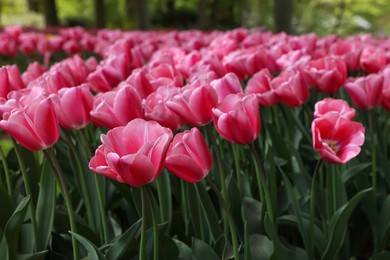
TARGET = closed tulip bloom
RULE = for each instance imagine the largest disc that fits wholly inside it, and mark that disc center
(156, 108)
(228, 84)
(366, 92)
(372, 59)
(386, 88)
(237, 118)
(331, 106)
(291, 88)
(117, 107)
(194, 103)
(73, 106)
(133, 154)
(189, 157)
(326, 74)
(337, 139)
(261, 85)
(34, 126)
(10, 79)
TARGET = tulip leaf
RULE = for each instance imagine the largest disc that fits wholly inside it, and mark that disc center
(45, 206)
(383, 224)
(13, 227)
(94, 252)
(184, 250)
(35, 256)
(339, 225)
(201, 250)
(260, 247)
(354, 172)
(251, 213)
(123, 247)
(384, 255)
(7, 207)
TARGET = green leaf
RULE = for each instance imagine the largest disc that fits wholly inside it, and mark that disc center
(339, 225)
(350, 174)
(184, 250)
(126, 243)
(384, 255)
(35, 256)
(383, 224)
(7, 207)
(251, 213)
(260, 247)
(13, 226)
(45, 206)
(272, 233)
(94, 252)
(202, 251)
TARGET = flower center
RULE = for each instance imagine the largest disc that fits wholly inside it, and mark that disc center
(333, 145)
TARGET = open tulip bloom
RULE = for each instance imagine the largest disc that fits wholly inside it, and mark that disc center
(337, 139)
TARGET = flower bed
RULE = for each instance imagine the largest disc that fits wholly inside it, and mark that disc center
(187, 144)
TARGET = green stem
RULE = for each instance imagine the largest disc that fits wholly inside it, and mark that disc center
(184, 206)
(27, 186)
(164, 197)
(236, 158)
(373, 152)
(98, 189)
(221, 171)
(142, 246)
(155, 224)
(60, 178)
(6, 172)
(313, 201)
(225, 206)
(262, 178)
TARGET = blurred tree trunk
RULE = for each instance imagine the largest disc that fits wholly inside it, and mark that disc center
(283, 13)
(33, 5)
(139, 9)
(100, 19)
(203, 19)
(50, 12)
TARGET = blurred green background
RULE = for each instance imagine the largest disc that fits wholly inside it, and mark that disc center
(323, 17)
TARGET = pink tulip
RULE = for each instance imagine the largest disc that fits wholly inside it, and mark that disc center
(34, 70)
(366, 92)
(326, 74)
(133, 154)
(228, 84)
(336, 138)
(117, 107)
(291, 88)
(156, 108)
(336, 107)
(194, 103)
(372, 59)
(237, 118)
(261, 85)
(73, 106)
(386, 88)
(34, 126)
(188, 156)
(10, 79)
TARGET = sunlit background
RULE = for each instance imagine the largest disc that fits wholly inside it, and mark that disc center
(343, 17)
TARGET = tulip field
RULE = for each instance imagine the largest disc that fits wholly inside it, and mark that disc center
(240, 144)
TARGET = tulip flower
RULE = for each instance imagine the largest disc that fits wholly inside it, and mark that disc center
(372, 59)
(117, 107)
(188, 156)
(34, 126)
(237, 118)
(228, 84)
(366, 92)
(336, 138)
(194, 103)
(326, 74)
(291, 88)
(73, 106)
(132, 154)
(261, 85)
(156, 108)
(10, 79)
(331, 106)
